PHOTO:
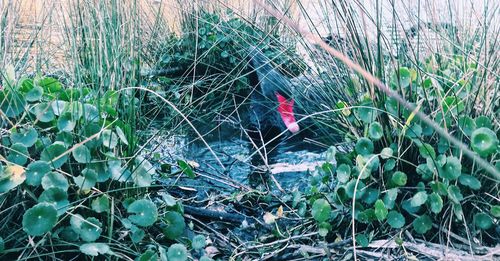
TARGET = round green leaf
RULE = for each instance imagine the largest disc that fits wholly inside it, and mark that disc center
(118, 172)
(435, 202)
(362, 240)
(380, 210)
(50, 85)
(109, 139)
(76, 221)
(389, 165)
(399, 178)
(386, 153)
(371, 195)
(366, 216)
(35, 172)
(75, 108)
(495, 211)
(422, 224)
(65, 138)
(90, 229)
(86, 180)
(39, 219)
(351, 185)
(375, 131)
(439, 188)
(395, 219)
(90, 130)
(27, 137)
(452, 169)
(100, 204)
(418, 199)
(103, 172)
(390, 197)
(343, 173)
(34, 94)
(392, 106)
(175, 225)
(483, 221)
(137, 234)
(367, 164)
(142, 174)
(364, 146)
(91, 114)
(177, 252)
(443, 146)
(94, 249)
(469, 181)
(401, 78)
(454, 194)
(58, 107)
(426, 150)
(54, 180)
(406, 205)
(198, 242)
(467, 124)
(52, 152)
(25, 85)
(424, 171)
(145, 212)
(484, 141)
(66, 122)
(414, 131)
(81, 154)
(56, 196)
(324, 228)
(321, 210)
(43, 112)
(18, 154)
(483, 121)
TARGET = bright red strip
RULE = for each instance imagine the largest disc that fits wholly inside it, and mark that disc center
(285, 109)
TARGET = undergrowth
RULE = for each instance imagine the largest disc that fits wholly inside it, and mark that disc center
(74, 181)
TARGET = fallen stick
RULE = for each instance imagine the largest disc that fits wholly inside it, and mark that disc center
(436, 251)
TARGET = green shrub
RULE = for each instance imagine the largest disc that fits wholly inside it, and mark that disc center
(64, 171)
(401, 174)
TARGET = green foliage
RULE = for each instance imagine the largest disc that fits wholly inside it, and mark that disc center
(422, 224)
(145, 212)
(95, 249)
(395, 219)
(174, 225)
(402, 172)
(177, 252)
(39, 219)
(198, 242)
(67, 156)
(321, 210)
(484, 141)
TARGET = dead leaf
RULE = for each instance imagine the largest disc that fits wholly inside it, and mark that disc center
(211, 251)
(17, 173)
(279, 212)
(269, 218)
